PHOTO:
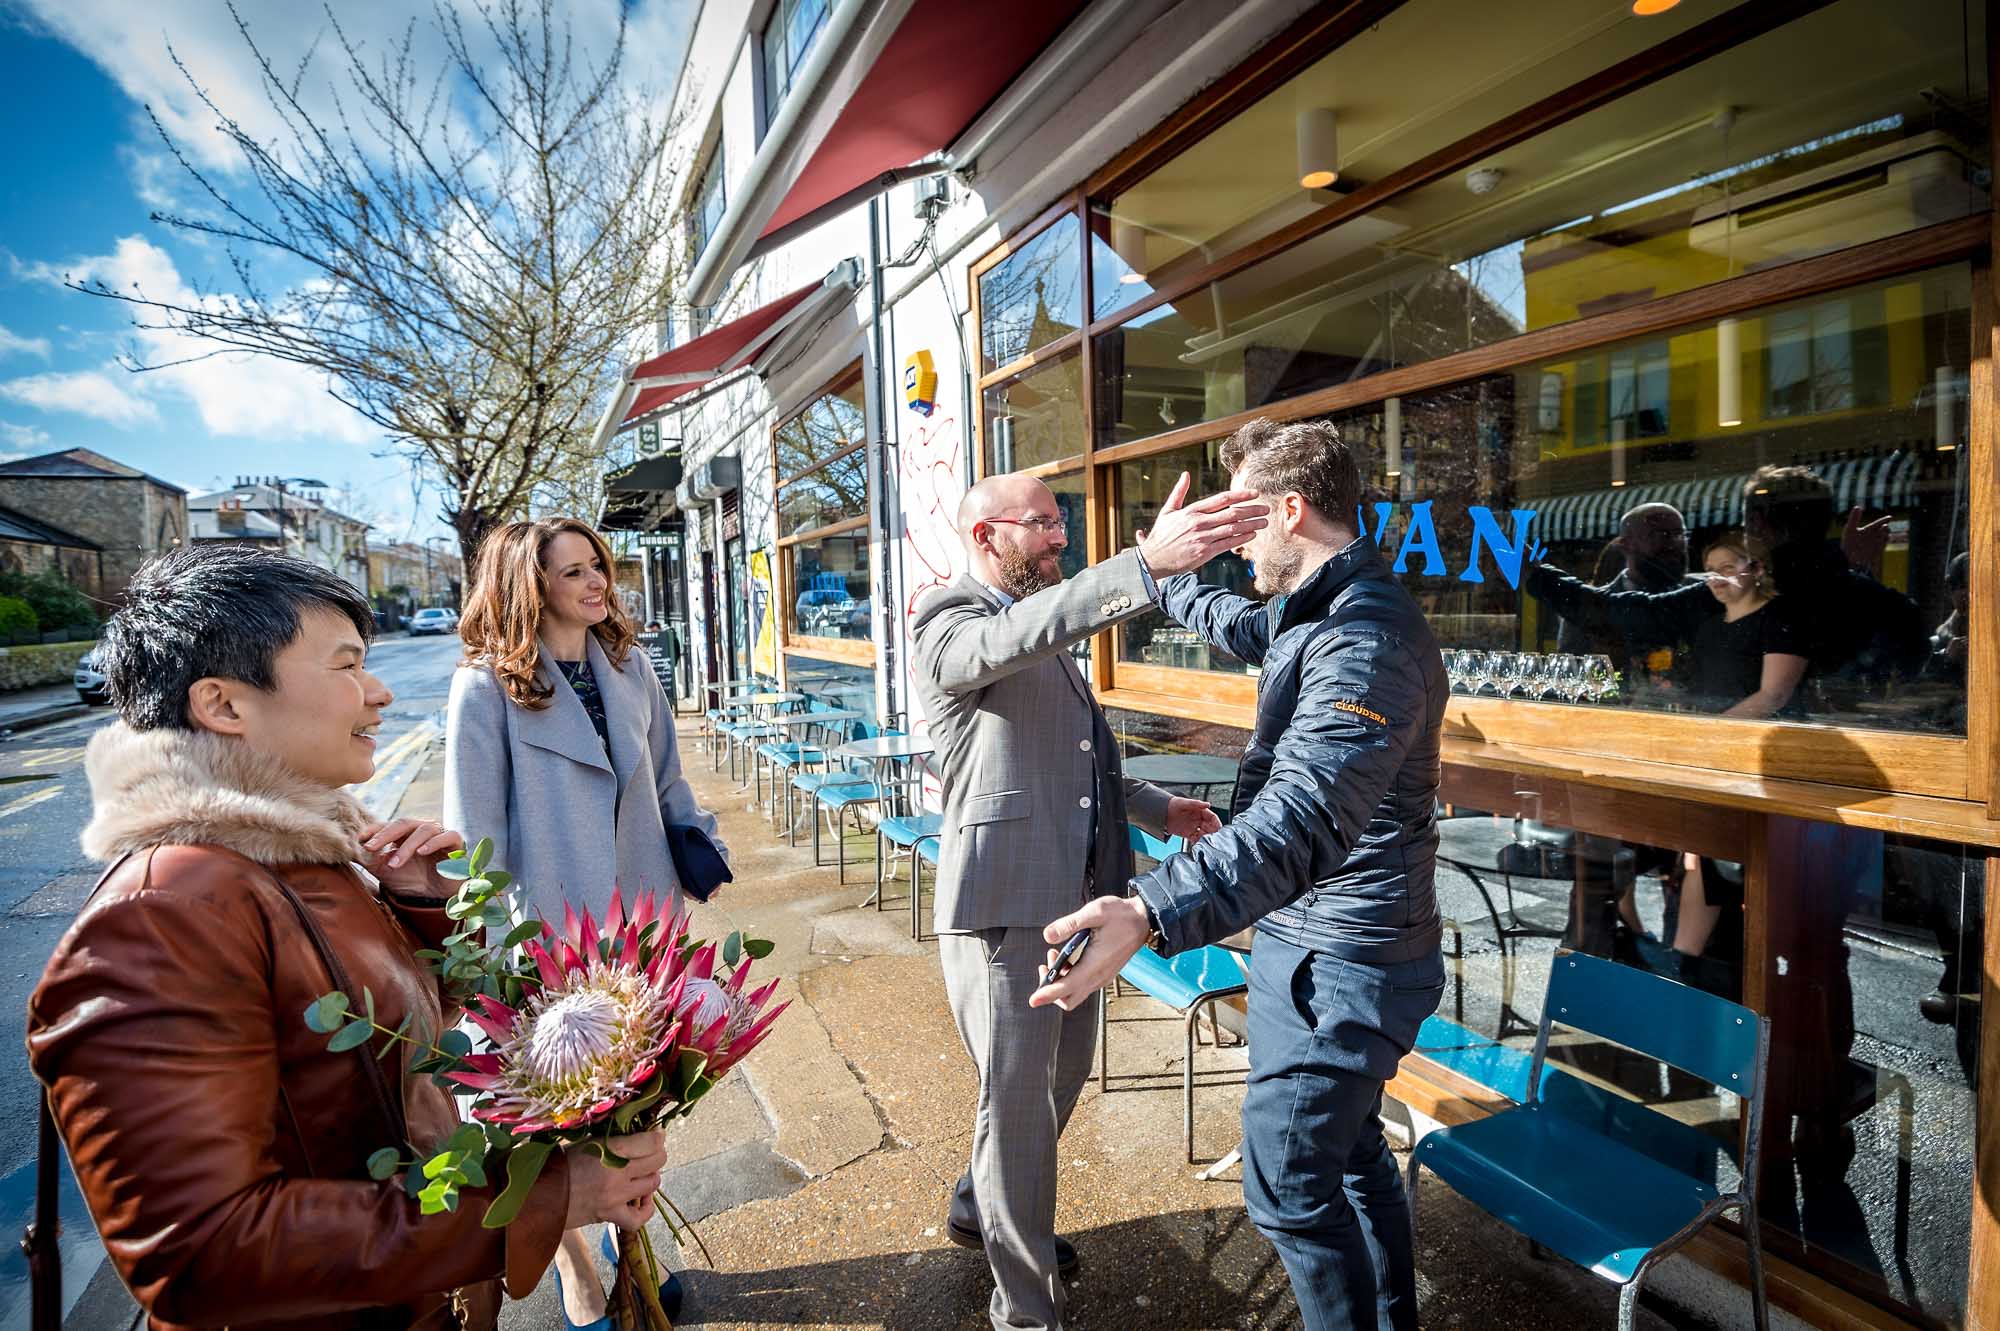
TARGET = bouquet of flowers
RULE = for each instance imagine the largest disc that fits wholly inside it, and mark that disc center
(594, 1031)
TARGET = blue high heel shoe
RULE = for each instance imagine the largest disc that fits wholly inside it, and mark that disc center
(670, 1288)
(601, 1324)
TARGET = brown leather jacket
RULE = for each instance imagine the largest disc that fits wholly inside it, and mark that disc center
(221, 1149)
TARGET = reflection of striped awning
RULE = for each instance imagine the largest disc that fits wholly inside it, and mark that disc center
(1886, 480)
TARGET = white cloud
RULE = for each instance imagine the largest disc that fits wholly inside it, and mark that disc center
(24, 436)
(235, 394)
(92, 393)
(135, 55)
(12, 343)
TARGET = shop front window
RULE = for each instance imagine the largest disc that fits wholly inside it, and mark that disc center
(828, 577)
(821, 457)
(1821, 135)
(1035, 417)
(1031, 297)
(1870, 982)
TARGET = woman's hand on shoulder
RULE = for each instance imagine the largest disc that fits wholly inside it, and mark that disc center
(401, 853)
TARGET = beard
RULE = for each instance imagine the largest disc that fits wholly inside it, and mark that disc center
(1278, 570)
(1022, 575)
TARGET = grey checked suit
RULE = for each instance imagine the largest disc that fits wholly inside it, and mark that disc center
(1035, 804)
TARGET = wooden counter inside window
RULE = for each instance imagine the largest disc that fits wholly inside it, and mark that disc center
(1637, 800)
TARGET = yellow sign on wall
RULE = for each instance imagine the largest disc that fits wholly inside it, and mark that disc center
(920, 383)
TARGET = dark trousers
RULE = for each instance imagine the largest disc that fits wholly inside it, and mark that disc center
(1318, 1178)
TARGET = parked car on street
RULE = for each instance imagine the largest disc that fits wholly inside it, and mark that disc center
(433, 619)
(89, 680)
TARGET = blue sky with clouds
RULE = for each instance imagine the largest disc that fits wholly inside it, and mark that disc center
(80, 173)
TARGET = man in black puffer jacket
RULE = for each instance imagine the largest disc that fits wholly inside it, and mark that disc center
(1331, 854)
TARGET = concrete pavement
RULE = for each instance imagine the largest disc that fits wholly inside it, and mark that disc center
(820, 1173)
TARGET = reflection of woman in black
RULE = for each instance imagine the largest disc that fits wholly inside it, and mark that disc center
(1748, 662)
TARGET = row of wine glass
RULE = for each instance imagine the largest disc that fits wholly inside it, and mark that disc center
(1531, 675)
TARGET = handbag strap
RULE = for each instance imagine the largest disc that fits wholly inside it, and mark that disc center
(371, 1070)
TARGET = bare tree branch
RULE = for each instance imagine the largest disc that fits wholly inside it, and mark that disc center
(479, 244)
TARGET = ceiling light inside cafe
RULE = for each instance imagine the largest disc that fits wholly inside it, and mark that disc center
(1128, 242)
(1728, 372)
(1319, 148)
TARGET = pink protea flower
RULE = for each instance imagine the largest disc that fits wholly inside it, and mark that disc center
(605, 1013)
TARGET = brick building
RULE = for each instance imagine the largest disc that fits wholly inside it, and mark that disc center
(124, 515)
(31, 547)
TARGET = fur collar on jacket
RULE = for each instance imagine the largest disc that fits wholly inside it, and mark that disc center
(192, 788)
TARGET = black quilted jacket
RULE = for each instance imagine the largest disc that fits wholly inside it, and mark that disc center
(1332, 844)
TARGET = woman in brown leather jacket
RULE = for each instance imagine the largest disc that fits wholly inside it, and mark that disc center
(221, 1147)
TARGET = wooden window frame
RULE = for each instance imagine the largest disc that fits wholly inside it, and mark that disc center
(845, 650)
(1923, 765)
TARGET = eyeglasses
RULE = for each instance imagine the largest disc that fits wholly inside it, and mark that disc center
(1046, 526)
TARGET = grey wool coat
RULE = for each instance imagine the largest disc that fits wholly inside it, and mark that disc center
(566, 820)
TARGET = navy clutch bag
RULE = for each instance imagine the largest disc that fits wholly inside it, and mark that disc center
(699, 864)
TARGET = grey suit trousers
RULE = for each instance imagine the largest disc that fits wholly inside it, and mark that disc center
(1032, 1065)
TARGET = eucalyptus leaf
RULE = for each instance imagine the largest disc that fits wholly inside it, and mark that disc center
(732, 949)
(759, 947)
(429, 954)
(482, 854)
(440, 1163)
(433, 1196)
(454, 868)
(382, 1164)
(500, 878)
(460, 907)
(524, 1166)
(474, 1171)
(368, 1001)
(523, 931)
(413, 1182)
(352, 1036)
(455, 1042)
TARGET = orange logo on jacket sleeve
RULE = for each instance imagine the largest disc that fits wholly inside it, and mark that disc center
(1359, 710)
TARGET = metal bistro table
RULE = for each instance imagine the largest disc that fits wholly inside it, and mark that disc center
(791, 721)
(1194, 771)
(761, 705)
(881, 751)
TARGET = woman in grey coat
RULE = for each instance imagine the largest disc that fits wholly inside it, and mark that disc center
(560, 747)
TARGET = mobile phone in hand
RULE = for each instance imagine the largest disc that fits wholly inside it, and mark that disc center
(1068, 955)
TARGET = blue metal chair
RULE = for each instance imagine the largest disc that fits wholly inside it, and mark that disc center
(837, 790)
(905, 829)
(925, 852)
(783, 755)
(1188, 982)
(812, 772)
(1615, 1187)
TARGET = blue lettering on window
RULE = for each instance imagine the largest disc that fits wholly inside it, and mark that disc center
(1420, 537)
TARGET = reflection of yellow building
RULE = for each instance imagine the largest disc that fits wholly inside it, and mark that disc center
(1861, 384)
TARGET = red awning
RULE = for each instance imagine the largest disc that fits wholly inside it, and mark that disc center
(946, 62)
(679, 372)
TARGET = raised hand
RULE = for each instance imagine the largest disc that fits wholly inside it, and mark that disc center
(1183, 539)
(1190, 818)
(1864, 542)
(400, 854)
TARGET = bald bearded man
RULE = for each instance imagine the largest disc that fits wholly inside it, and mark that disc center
(1035, 803)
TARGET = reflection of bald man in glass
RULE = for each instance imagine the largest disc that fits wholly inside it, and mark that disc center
(1653, 539)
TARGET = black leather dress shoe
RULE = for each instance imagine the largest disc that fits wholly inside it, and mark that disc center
(968, 1236)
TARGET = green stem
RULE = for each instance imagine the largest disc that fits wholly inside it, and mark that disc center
(686, 1224)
